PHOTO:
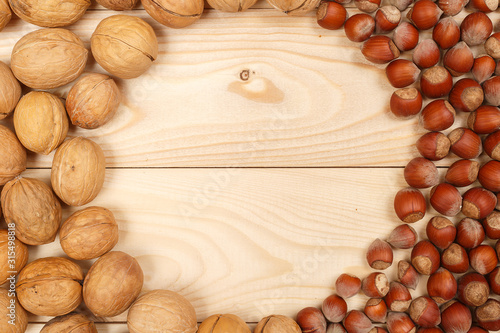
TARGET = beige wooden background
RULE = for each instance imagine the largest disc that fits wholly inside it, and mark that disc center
(246, 196)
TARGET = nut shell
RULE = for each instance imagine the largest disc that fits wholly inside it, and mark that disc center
(125, 46)
(118, 4)
(89, 233)
(222, 323)
(20, 315)
(30, 204)
(70, 323)
(162, 311)
(231, 5)
(10, 90)
(50, 286)
(294, 7)
(78, 171)
(41, 122)
(21, 254)
(50, 13)
(5, 13)
(48, 58)
(174, 13)
(277, 324)
(93, 101)
(120, 276)
(12, 155)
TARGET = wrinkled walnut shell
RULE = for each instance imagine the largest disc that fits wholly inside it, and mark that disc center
(30, 204)
(93, 101)
(162, 311)
(78, 171)
(5, 13)
(11, 310)
(112, 284)
(50, 13)
(48, 58)
(174, 13)
(50, 286)
(10, 89)
(89, 233)
(70, 323)
(11, 248)
(231, 5)
(41, 122)
(277, 324)
(12, 155)
(125, 46)
(118, 4)
(223, 323)
(294, 7)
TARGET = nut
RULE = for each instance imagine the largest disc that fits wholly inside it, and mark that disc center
(10, 89)
(436, 82)
(405, 36)
(294, 7)
(50, 13)
(277, 324)
(483, 68)
(48, 58)
(398, 298)
(462, 173)
(426, 54)
(12, 156)
(174, 13)
(459, 59)
(489, 176)
(222, 323)
(121, 276)
(356, 322)
(455, 317)
(485, 120)
(488, 315)
(465, 143)
(441, 232)
(494, 280)
(375, 285)
(466, 95)
(162, 310)
(41, 122)
(470, 233)
(402, 73)
(334, 328)
(50, 286)
(387, 18)
(473, 289)
(359, 27)
(125, 46)
(403, 237)
(334, 308)
(478, 203)
(425, 312)
(410, 205)
(446, 33)
(491, 225)
(15, 318)
(5, 13)
(231, 5)
(452, 7)
(425, 257)
(491, 145)
(485, 6)
(433, 146)
(424, 14)
(379, 255)
(455, 259)
(376, 310)
(379, 49)
(406, 102)
(9, 244)
(331, 15)
(442, 286)
(78, 171)
(73, 322)
(367, 6)
(491, 89)
(30, 204)
(446, 199)
(118, 4)
(492, 45)
(438, 115)
(483, 259)
(400, 322)
(347, 285)
(89, 233)
(407, 275)
(476, 28)
(309, 319)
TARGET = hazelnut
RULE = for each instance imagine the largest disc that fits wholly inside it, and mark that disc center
(73, 322)
(470, 233)
(425, 312)
(21, 317)
(48, 58)
(488, 315)
(78, 171)
(379, 255)
(402, 73)
(293, 8)
(407, 275)
(356, 322)
(426, 54)
(436, 81)
(125, 46)
(347, 285)
(162, 310)
(21, 254)
(433, 146)
(452, 7)
(458, 59)
(41, 122)
(466, 95)
(402, 5)
(50, 13)
(231, 6)
(400, 322)
(367, 6)
(483, 259)
(331, 15)
(476, 28)
(121, 276)
(410, 205)
(375, 285)
(473, 289)
(455, 259)
(376, 310)
(489, 176)
(10, 90)
(446, 33)
(421, 173)
(12, 156)
(491, 89)
(485, 120)
(93, 101)
(441, 232)
(425, 258)
(118, 4)
(309, 319)
(494, 280)
(334, 328)
(446, 199)
(442, 286)
(403, 237)
(387, 18)
(424, 14)
(462, 173)
(478, 203)
(465, 143)
(50, 286)
(334, 308)
(483, 68)
(279, 323)
(491, 145)
(491, 225)
(492, 45)
(380, 49)
(406, 102)
(405, 36)
(30, 204)
(359, 27)
(455, 317)
(485, 6)
(398, 298)
(438, 115)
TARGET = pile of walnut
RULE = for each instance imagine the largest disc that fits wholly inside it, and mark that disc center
(456, 70)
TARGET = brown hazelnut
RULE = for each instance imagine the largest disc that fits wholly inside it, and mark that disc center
(489, 176)
(433, 146)
(491, 145)
(50, 13)
(402, 5)
(50, 286)
(359, 27)
(376, 310)
(470, 233)
(491, 89)
(380, 49)
(347, 285)
(476, 28)
(424, 14)
(179, 13)
(331, 15)
(491, 225)
(485, 120)
(424, 312)
(425, 257)
(407, 275)
(485, 6)
(441, 232)
(455, 317)
(438, 115)
(10, 90)
(367, 6)
(465, 143)
(334, 328)
(15, 317)
(334, 308)
(231, 6)
(356, 322)
(379, 255)
(483, 68)
(160, 310)
(459, 59)
(488, 315)
(406, 102)
(410, 205)
(310, 319)
(398, 298)
(11, 248)
(451, 7)
(436, 81)
(462, 173)
(421, 173)
(293, 8)
(12, 156)
(455, 259)
(118, 4)
(473, 289)
(494, 280)
(478, 203)
(73, 322)
(405, 36)
(442, 286)
(426, 54)
(483, 259)
(375, 285)
(492, 45)
(446, 199)
(387, 18)
(400, 322)
(403, 237)
(402, 73)
(466, 95)
(446, 33)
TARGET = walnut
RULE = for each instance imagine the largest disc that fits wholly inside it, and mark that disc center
(118, 4)
(50, 13)
(48, 58)
(5, 14)
(93, 101)
(41, 122)
(50, 286)
(12, 155)
(89, 233)
(14, 317)
(277, 324)
(223, 323)
(30, 204)
(112, 284)
(162, 311)
(294, 7)
(125, 46)
(174, 13)
(78, 171)
(231, 5)
(11, 246)
(10, 90)
(70, 323)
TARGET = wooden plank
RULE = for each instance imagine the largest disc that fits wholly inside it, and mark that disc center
(248, 241)
(311, 98)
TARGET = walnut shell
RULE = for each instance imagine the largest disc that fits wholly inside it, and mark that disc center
(277, 324)
(11, 248)
(30, 204)
(89, 233)
(50, 13)
(93, 101)
(294, 7)
(112, 284)
(125, 46)
(5, 14)
(50, 286)
(162, 311)
(48, 58)
(70, 323)
(78, 171)
(17, 318)
(12, 155)
(118, 4)
(231, 5)
(10, 89)
(41, 122)
(174, 13)
(223, 323)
